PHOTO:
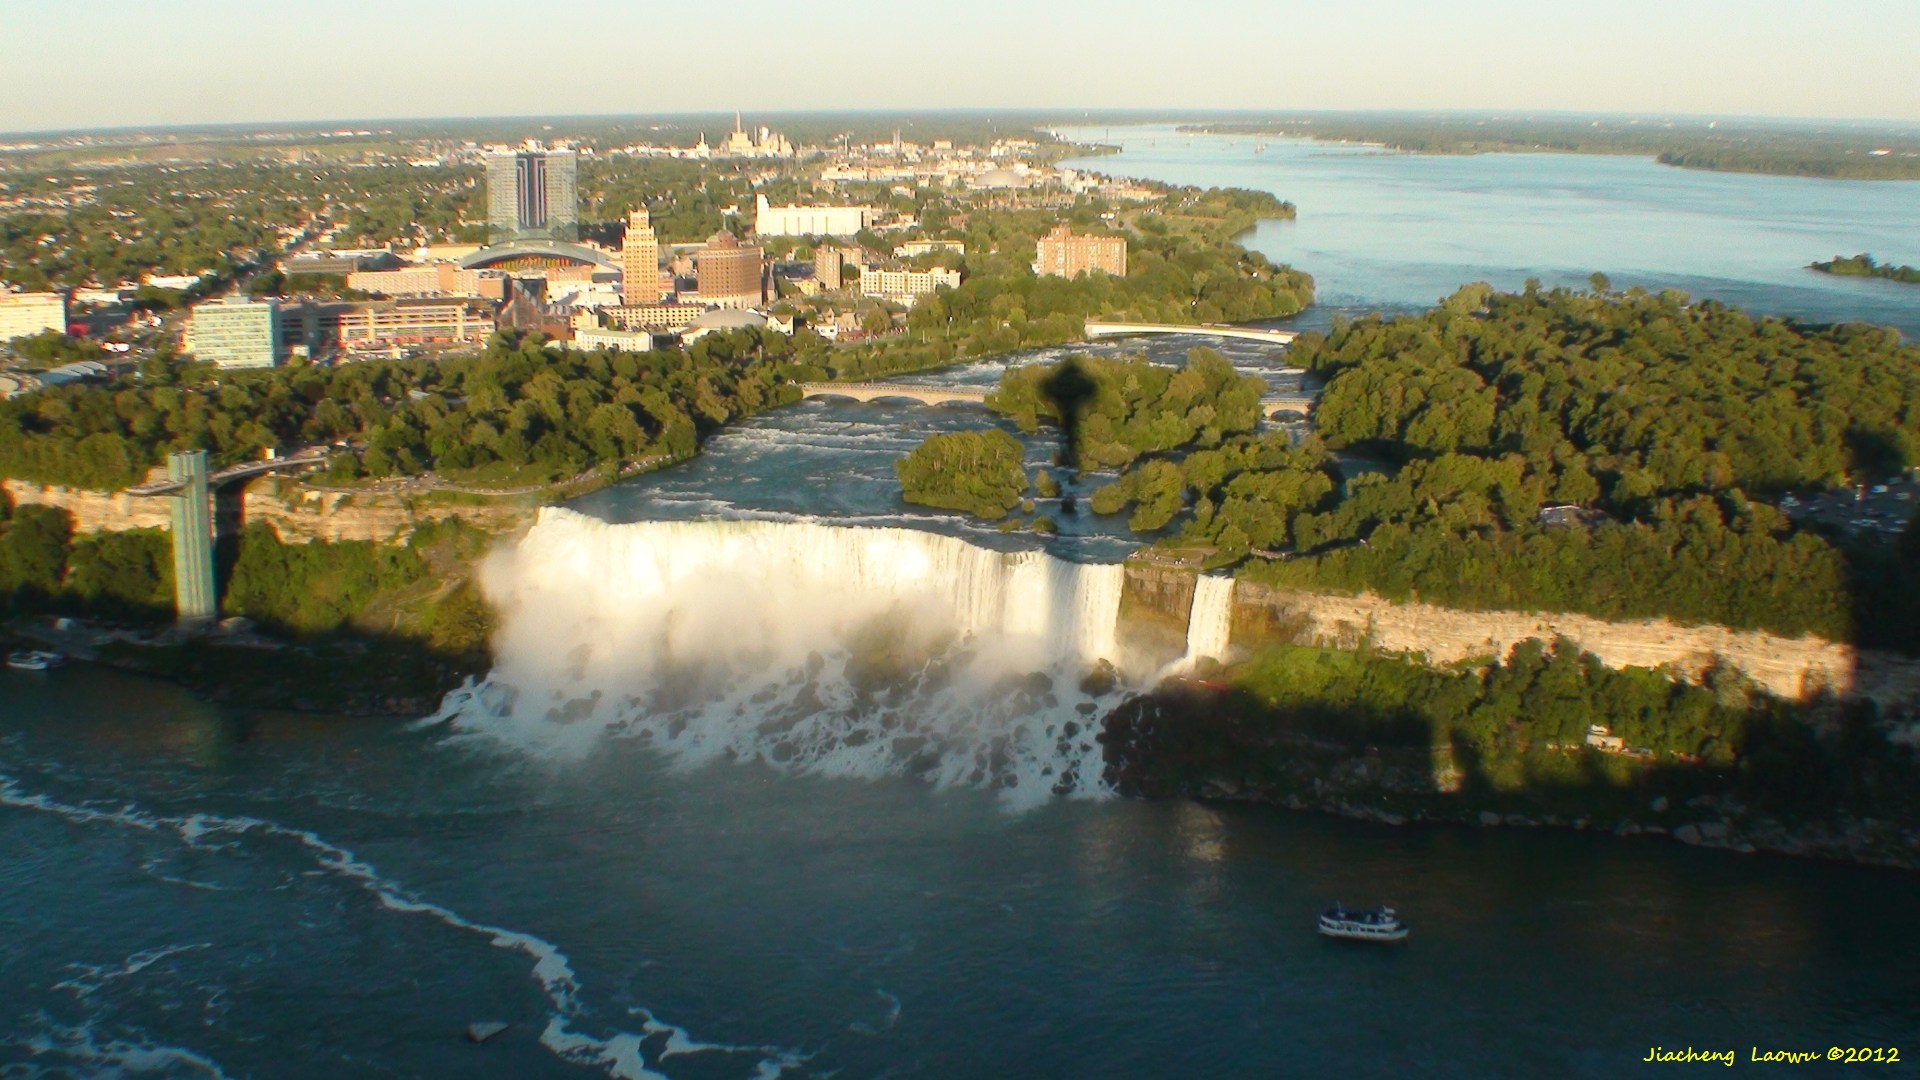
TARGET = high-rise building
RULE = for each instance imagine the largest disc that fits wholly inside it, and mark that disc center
(1063, 254)
(640, 260)
(730, 274)
(27, 314)
(531, 195)
(828, 262)
(235, 332)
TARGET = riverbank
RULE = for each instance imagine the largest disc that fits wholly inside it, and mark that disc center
(347, 673)
(1202, 741)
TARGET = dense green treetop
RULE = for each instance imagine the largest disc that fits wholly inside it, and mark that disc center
(518, 413)
(1132, 407)
(979, 472)
(1649, 395)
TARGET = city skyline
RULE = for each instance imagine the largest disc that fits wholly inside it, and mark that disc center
(206, 62)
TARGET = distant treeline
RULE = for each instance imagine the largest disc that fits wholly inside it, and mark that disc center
(1733, 147)
(1864, 266)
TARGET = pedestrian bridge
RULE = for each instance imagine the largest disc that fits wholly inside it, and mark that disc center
(312, 456)
(874, 391)
(1099, 329)
(1285, 405)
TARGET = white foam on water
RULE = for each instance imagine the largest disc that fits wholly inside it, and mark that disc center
(820, 650)
(621, 1054)
(80, 1047)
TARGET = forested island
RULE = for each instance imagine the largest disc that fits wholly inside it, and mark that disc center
(1864, 266)
(1724, 146)
(1612, 454)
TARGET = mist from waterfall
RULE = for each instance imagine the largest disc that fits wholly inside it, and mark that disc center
(810, 648)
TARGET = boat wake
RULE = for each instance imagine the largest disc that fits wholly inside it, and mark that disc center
(624, 1054)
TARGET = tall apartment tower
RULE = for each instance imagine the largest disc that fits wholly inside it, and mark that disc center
(640, 260)
(1062, 254)
(730, 274)
(829, 263)
(531, 195)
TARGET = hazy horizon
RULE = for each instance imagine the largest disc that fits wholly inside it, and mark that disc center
(86, 65)
(1058, 117)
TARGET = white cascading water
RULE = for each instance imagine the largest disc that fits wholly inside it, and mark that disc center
(816, 649)
(1209, 624)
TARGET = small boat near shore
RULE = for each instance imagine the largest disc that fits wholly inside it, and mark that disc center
(35, 660)
(1374, 924)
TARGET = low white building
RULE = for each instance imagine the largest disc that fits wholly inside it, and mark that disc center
(616, 340)
(770, 220)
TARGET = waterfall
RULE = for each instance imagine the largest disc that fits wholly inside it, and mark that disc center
(1209, 624)
(811, 648)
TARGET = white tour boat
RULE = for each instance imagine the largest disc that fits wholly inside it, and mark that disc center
(1377, 924)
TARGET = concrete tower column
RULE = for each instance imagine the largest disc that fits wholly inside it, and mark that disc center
(192, 520)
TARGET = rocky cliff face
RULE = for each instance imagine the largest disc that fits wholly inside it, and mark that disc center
(1157, 599)
(298, 513)
(1792, 668)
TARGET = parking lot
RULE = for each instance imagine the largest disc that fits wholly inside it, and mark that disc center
(1883, 508)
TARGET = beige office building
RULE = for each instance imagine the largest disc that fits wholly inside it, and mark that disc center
(640, 260)
(442, 279)
(27, 314)
(877, 282)
(652, 316)
(730, 274)
(1062, 254)
(235, 332)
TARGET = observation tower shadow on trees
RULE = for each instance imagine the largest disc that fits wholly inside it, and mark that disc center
(1069, 389)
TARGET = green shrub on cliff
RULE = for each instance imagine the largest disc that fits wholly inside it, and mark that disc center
(976, 471)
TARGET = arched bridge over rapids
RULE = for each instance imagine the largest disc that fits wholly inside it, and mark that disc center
(874, 391)
(1099, 329)
(1272, 406)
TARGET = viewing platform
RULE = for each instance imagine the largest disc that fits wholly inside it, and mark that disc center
(1099, 329)
(874, 391)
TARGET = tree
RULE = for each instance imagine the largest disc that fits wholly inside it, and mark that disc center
(976, 471)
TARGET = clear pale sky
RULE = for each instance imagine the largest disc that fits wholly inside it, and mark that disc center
(99, 63)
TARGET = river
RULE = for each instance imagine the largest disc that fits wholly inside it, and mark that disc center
(1386, 231)
(689, 883)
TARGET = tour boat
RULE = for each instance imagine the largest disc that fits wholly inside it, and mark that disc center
(34, 660)
(1379, 924)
